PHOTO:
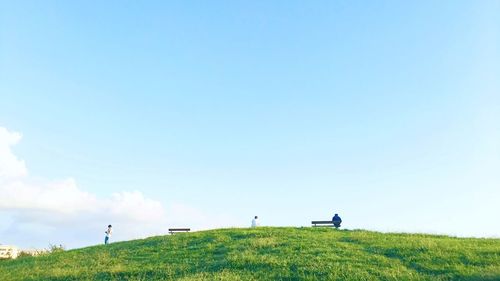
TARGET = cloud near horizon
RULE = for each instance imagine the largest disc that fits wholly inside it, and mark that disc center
(59, 211)
(10, 165)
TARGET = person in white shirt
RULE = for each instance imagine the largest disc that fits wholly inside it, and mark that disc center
(108, 234)
(255, 221)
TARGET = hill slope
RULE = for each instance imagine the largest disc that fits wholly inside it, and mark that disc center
(270, 254)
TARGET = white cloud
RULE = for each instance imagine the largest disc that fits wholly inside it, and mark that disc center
(60, 211)
(61, 196)
(10, 166)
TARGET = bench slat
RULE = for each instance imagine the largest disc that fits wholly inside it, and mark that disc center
(179, 229)
(321, 222)
(324, 224)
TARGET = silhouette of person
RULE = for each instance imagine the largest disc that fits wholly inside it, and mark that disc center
(255, 221)
(336, 220)
(108, 234)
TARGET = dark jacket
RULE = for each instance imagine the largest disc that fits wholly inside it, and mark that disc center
(336, 219)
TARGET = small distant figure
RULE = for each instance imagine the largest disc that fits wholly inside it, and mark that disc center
(255, 221)
(108, 232)
(336, 220)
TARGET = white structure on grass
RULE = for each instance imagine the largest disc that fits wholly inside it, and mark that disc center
(8, 252)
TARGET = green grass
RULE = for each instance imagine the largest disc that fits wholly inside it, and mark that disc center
(270, 254)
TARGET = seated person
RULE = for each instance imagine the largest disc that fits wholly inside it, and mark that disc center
(336, 220)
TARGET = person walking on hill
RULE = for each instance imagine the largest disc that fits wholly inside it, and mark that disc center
(336, 220)
(108, 232)
(255, 221)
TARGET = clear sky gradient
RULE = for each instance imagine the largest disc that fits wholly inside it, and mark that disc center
(387, 112)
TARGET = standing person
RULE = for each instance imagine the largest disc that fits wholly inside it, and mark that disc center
(108, 234)
(336, 220)
(255, 221)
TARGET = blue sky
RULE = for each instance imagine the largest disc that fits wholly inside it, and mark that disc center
(385, 112)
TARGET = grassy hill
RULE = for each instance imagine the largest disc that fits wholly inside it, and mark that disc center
(270, 254)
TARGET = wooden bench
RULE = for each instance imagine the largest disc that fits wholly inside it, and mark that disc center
(176, 230)
(324, 223)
